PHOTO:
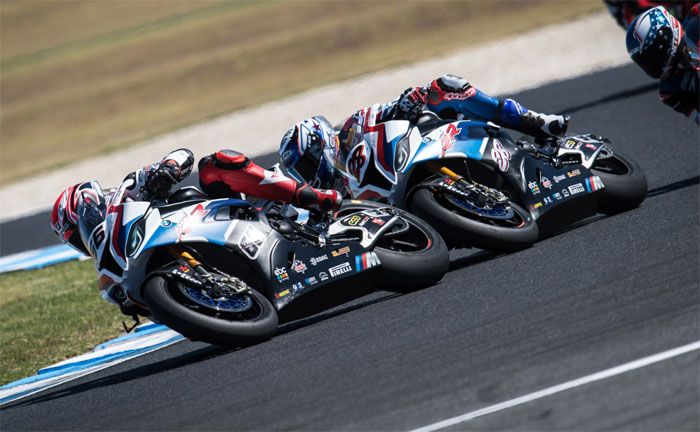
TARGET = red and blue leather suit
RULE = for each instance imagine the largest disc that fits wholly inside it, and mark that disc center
(225, 173)
(452, 97)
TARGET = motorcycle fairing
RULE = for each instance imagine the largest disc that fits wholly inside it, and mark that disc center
(198, 224)
(541, 187)
(463, 139)
(295, 271)
(587, 147)
(382, 138)
(370, 223)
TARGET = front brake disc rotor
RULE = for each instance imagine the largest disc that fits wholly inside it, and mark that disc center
(234, 303)
(498, 211)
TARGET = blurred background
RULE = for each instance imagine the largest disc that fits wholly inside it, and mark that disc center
(80, 78)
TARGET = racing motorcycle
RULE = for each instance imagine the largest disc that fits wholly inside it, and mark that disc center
(219, 270)
(479, 187)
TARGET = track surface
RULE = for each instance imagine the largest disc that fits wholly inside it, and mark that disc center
(610, 291)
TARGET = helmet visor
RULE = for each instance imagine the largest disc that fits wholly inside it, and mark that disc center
(653, 58)
(91, 213)
(306, 167)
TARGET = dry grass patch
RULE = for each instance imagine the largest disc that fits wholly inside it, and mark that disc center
(80, 81)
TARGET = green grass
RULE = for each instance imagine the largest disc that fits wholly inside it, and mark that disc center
(49, 315)
(78, 78)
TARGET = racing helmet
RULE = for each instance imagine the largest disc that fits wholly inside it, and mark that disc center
(76, 213)
(307, 151)
(653, 40)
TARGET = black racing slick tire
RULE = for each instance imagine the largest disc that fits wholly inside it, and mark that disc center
(624, 180)
(171, 309)
(460, 228)
(415, 258)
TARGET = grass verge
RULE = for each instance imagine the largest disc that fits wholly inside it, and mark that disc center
(81, 78)
(49, 315)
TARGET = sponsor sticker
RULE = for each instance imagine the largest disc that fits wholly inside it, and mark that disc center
(573, 173)
(557, 196)
(340, 269)
(577, 188)
(471, 91)
(366, 260)
(353, 220)
(342, 251)
(571, 144)
(447, 139)
(186, 277)
(318, 259)
(311, 280)
(281, 274)
(250, 241)
(565, 192)
(166, 223)
(297, 287)
(594, 183)
(500, 155)
(323, 276)
(591, 146)
(281, 294)
(378, 221)
(559, 178)
(536, 205)
(534, 187)
(547, 200)
(298, 266)
(546, 182)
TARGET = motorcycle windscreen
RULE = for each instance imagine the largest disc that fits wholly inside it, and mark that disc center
(92, 211)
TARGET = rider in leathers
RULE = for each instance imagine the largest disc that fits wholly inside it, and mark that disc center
(311, 150)
(226, 173)
(668, 51)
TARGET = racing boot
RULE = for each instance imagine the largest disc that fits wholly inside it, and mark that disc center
(538, 125)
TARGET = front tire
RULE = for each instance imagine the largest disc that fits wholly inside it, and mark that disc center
(176, 312)
(415, 258)
(624, 180)
(470, 231)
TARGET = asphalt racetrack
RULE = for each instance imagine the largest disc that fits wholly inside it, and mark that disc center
(606, 292)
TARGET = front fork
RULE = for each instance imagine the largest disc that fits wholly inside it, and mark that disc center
(216, 285)
(477, 189)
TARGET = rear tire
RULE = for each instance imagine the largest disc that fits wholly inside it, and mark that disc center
(624, 180)
(172, 311)
(459, 228)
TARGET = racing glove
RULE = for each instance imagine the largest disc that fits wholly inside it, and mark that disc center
(411, 103)
(310, 198)
(159, 181)
(171, 170)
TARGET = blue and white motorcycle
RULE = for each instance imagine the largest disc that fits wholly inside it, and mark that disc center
(220, 270)
(479, 187)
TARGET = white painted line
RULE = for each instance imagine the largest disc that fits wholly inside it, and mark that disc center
(598, 376)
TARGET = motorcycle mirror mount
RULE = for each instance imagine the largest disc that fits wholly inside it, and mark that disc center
(492, 129)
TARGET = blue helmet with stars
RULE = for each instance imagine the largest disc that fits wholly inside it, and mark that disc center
(307, 151)
(653, 39)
